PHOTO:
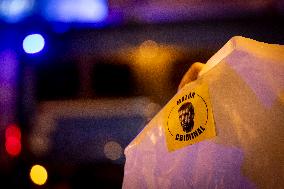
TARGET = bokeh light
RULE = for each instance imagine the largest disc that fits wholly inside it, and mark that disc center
(15, 10)
(80, 11)
(149, 49)
(13, 140)
(13, 146)
(112, 150)
(38, 174)
(13, 131)
(33, 43)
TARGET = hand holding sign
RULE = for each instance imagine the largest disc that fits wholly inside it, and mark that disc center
(191, 74)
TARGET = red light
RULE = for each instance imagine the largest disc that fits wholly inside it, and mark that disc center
(13, 140)
(13, 146)
(13, 131)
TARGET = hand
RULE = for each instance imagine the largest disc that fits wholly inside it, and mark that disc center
(191, 74)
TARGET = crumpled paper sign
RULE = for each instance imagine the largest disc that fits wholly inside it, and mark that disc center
(242, 86)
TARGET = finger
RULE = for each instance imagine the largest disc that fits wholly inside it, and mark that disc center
(191, 74)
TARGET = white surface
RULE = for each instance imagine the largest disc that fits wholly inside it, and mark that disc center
(246, 87)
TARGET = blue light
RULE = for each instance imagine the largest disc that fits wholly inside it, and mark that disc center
(80, 11)
(33, 43)
(15, 10)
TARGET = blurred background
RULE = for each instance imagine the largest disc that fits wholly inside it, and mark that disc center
(79, 79)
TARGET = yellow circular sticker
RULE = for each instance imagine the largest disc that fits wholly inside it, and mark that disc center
(189, 118)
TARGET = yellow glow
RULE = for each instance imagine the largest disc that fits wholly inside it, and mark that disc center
(149, 49)
(38, 174)
(281, 97)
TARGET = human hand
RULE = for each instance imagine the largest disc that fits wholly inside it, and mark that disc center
(191, 74)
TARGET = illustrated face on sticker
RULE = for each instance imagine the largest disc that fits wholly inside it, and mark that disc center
(186, 116)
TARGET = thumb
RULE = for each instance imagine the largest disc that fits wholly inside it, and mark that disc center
(191, 74)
